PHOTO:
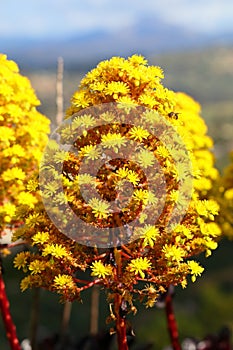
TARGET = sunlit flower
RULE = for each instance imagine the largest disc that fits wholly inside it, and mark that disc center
(100, 270)
(138, 133)
(195, 269)
(140, 195)
(40, 238)
(173, 253)
(139, 265)
(56, 250)
(149, 234)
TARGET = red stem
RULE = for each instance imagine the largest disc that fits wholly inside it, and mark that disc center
(120, 321)
(120, 324)
(171, 323)
(7, 319)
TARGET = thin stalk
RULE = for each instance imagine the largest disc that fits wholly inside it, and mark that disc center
(65, 324)
(120, 320)
(59, 88)
(94, 310)
(34, 317)
(171, 323)
(6, 316)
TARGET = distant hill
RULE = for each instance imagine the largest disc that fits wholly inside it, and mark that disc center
(149, 35)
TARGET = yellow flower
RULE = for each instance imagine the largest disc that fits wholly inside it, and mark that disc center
(14, 173)
(195, 269)
(183, 231)
(147, 100)
(84, 179)
(80, 99)
(32, 219)
(122, 172)
(25, 283)
(115, 88)
(141, 195)
(8, 209)
(133, 177)
(229, 194)
(26, 198)
(207, 208)
(139, 265)
(63, 281)
(149, 234)
(20, 261)
(173, 253)
(90, 151)
(40, 238)
(145, 158)
(99, 207)
(56, 250)
(210, 229)
(6, 135)
(151, 198)
(137, 60)
(152, 248)
(163, 152)
(100, 270)
(113, 140)
(36, 266)
(138, 133)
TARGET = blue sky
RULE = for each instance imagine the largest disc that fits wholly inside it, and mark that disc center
(53, 18)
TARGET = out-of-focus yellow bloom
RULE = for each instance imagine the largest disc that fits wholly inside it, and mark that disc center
(223, 192)
(23, 135)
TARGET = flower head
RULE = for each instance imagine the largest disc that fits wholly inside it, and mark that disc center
(100, 270)
(139, 265)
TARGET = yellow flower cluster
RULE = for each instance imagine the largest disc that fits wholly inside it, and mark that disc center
(129, 81)
(23, 135)
(154, 253)
(223, 191)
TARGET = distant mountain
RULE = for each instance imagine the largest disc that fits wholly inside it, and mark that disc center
(148, 36)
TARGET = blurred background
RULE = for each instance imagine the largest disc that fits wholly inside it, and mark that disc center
(193, 42)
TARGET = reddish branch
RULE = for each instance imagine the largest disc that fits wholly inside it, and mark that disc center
(171, 323)
(6, 316)
(88, 284)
